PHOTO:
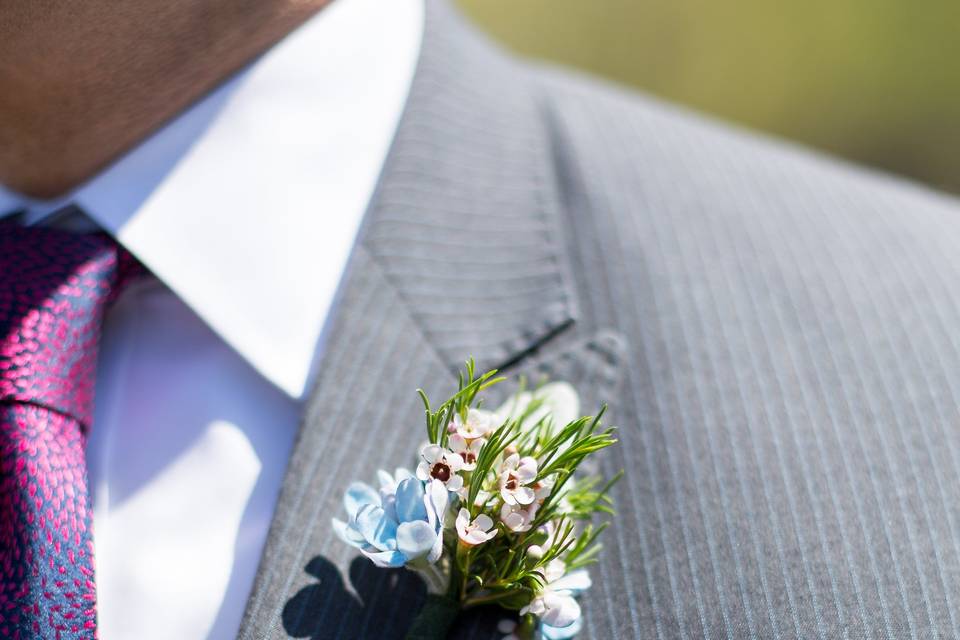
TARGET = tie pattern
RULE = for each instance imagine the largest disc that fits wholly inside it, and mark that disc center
(54, 289)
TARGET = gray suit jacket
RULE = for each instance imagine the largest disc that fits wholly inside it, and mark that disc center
(776, 333)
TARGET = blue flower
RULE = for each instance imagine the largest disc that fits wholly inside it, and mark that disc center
(400, 524)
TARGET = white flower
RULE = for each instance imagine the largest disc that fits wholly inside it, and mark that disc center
(515, 474)
(467, 450)
(554, 609)
(555, 604)
(517, 518)
(478, 423)
(559, 404)
(542, 488)
(554, 570)
(550, 530)
(440, 464)
(476, 532)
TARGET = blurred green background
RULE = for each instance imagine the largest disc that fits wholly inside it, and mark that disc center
(875, 81)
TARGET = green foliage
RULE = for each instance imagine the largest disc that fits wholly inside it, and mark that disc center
(503, 570)
(469, 387)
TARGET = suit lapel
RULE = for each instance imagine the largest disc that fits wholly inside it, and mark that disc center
(459, 255)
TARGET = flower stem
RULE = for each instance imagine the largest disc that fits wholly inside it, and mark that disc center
(435, 619)
(479, 600)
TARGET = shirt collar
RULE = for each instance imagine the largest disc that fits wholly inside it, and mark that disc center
(248, 203)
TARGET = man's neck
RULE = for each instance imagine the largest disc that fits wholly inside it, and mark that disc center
(80, 83)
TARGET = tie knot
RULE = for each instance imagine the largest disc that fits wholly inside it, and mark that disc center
(54, 289)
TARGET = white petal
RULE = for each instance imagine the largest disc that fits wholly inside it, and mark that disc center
(527, 470)
(454, 461)
(561, 633)
(431, 453)
(437, 550)
(573, 583)
(515, 522)
(454, 483)
(563, 402)
(481, 420)
(476, 537)
(483, 521)
(536, 607)
(463, 521)
(436, 501)
(482, 498)
(554, 571)
(559, 403)
(423, 471)
(562, 611)
(524, 495)
(458, 443)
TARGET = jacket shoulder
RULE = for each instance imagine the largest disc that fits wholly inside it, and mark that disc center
(650, 143)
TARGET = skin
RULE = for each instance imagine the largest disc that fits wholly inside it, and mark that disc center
(82, 82)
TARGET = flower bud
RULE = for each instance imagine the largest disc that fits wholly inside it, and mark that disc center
(535, 551)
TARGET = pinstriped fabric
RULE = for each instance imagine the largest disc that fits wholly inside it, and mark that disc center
(460, 150)
(796, 378)
(303, 585)
(777, 332)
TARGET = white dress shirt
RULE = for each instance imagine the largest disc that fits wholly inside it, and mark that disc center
(245, 208)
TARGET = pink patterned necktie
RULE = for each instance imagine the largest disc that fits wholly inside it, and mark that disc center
(54, 289)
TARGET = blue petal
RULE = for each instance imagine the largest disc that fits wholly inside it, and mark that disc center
(357, 495)
(347, 533)
(410, 505)
(376, 528)
(389, 505)
(436, 503)
(385, 559)
(561, 633)
(387, 483)
(415, 539)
